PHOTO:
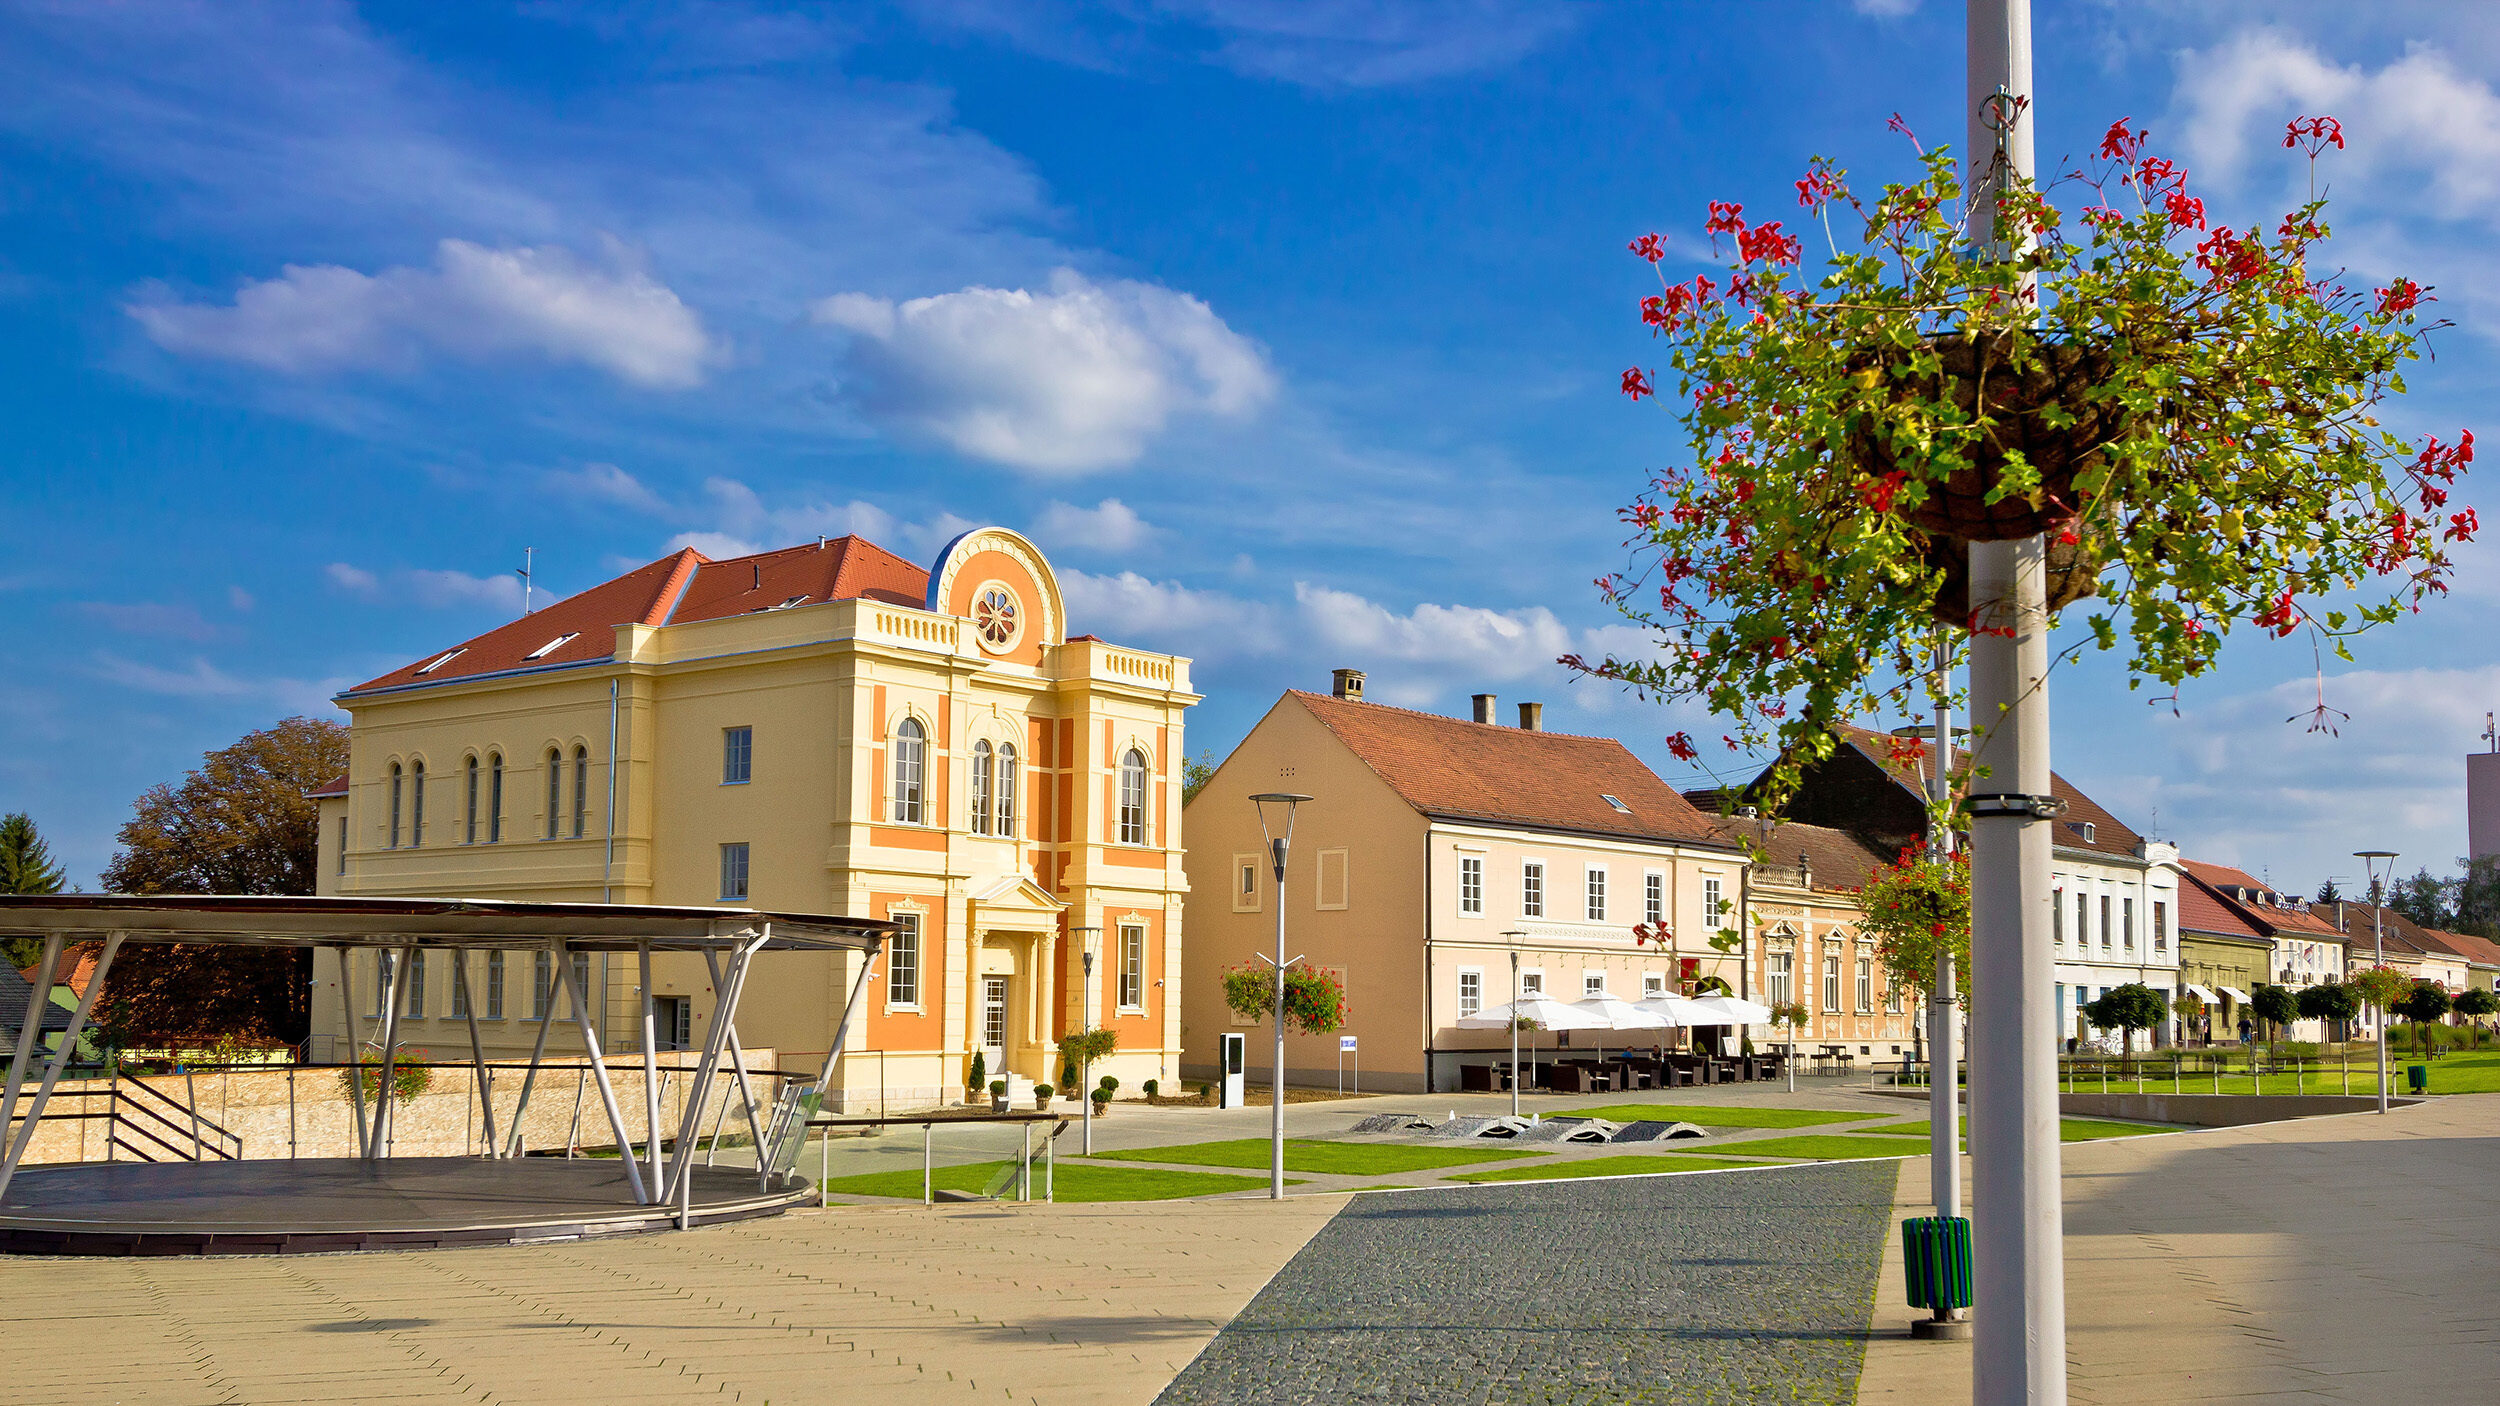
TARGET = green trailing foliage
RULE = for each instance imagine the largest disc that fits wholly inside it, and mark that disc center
(2187, 413)
(1314, 1000)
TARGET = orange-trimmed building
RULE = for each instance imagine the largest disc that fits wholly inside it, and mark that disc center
(827, 728)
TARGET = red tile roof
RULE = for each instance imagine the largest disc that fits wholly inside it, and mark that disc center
(76, 970)
(1839, 859)
(336, 786)
(1902, 757)
(683, 586)
(1462, 770)
(2470, 947)
(2204, 910)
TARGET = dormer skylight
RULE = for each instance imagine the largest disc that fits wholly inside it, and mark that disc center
(440, 660)
(1627, 810)
(794, 600)
(552, 646)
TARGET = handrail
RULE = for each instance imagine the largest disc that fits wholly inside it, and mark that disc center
(201, 1124)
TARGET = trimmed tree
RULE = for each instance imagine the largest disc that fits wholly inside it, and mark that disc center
(2276, 1006)
(2332, 1001)
(2424, 1005)
(2126, 1009)
(2475, 1003)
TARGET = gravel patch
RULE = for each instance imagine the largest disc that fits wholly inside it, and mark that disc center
(1651, 1130)
(1748, 1287)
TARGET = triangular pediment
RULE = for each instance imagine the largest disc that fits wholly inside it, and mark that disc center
(1018, 903)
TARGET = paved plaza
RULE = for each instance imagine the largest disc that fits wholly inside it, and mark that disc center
(2329, 1259)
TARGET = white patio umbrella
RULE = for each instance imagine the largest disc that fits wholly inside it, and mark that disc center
(1544, 1012)
(1619, 1014)
(1729, 1010)
(1676, 1011)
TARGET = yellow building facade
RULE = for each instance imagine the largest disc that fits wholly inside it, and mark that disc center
(824, 729)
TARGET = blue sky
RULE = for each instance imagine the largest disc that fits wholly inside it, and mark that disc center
(1290, 330)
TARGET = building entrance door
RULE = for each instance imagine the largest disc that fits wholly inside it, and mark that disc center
(994, 1024)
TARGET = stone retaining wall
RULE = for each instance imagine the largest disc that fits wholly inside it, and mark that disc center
(308, 1113)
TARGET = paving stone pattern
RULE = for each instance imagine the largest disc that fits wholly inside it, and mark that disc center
(1746, 1287)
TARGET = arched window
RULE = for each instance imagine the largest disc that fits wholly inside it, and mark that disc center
(494, 798)
(1133, 798)
(581, 790)
(980, 788)
(398, 785)
(468, 829)
(911, 748)
(1007, 790)
(555, 791)
(416, 803)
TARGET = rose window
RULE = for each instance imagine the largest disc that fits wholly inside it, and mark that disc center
(994, 615)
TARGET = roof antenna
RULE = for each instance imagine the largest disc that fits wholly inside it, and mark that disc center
(529, 559)
(2491, 732)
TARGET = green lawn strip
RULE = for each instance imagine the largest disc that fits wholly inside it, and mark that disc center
(1821, 1147)
(1637, 1165)
(2094, 1129)
(2463, 1073)
(1715, 1116)
(1348, 1159)
(1073, 1181)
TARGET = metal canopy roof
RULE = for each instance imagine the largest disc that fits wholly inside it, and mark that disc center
(426, 922)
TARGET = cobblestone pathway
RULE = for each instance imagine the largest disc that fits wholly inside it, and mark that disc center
(1738, 1287)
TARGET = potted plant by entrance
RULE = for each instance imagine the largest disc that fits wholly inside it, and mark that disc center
(998, 1095)
(1042, 1095)
(976, 1077)
(1102, 1095)
(2186, 412)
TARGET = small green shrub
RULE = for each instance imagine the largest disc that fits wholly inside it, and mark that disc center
(1108, 1085)
(978, 1073)
(1101, 1097)
(1154, 1088)
(998, 1088)
(1045, 1092)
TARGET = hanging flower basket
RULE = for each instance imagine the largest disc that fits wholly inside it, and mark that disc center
(2035, 400)
(2184, 412)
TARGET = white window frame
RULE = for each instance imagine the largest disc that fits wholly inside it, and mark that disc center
(983, 775)
(2161, 925)
(1654, 897)
(903, 952)
(1470, 991)
(1135, 780)
(1004, 793)
(1592, 984)
(1713, 896)
(1866, 985)
(2126, 923)
(1653, 985)
(1532, 888)
(1471, 885)
(1780, 982)
(1594, 893)
(907, 773)
(1831, 984)
(1249, 878)
(1132, 972)
(1531, 982)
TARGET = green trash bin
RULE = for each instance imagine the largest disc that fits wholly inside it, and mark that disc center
(2417, 1078)
(1935, 1251)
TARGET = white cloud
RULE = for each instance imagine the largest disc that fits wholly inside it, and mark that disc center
(440, 589)
(1884, 9)
(204, 680)
(1079, 377)
(240, 598)
(1108, 526)
(436, 590)
(738, 522)
(2237, 783)
(473, 303)
(1132, 609)
(2417, 118)
(606, 483)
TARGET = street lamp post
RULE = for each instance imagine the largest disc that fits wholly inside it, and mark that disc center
(1279, 839)
(1514, 1020)
(2372, 860)
(1090, 940)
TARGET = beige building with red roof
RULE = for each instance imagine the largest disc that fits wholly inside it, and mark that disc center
(1802, 918)
(2115, 892)
(1432, 852)
(824, 729)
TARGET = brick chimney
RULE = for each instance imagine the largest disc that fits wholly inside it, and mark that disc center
(1531, 717)
(1484, 707)
(1347, 684)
